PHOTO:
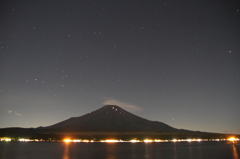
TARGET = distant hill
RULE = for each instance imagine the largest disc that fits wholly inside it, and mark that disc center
(108, 121)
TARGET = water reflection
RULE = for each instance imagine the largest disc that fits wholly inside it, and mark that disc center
(175, 151)
(66, 151)
(190, 151)
(111, 150)
(133, 154)
(235, 153)
(145, 150)
(200, 150)
(4, 150)
(148, 150)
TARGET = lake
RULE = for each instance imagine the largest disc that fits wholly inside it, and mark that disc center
(97, 150)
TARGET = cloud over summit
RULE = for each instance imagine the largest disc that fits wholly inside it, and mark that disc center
(124, 105)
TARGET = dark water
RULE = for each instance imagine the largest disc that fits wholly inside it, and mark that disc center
(59, 150)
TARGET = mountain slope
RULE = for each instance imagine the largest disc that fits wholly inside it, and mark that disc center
(110, 118)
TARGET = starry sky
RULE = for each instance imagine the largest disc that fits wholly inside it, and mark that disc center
(164, 60)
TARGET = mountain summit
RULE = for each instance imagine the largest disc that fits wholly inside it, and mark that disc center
(110, 118)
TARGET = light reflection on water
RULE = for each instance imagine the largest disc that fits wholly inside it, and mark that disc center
(66, 151)
(111, 150)
(133, 152)
(49, 150)
(190, 151)
(148, 150)
(175, 151)
(4, 150)
(235, 153)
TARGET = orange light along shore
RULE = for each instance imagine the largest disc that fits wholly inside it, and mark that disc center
(134, 140)
(233, 140)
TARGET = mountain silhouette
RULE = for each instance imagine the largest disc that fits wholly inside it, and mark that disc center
(110, 121)
(110, 118)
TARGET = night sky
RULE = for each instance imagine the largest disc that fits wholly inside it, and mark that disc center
(172, 61)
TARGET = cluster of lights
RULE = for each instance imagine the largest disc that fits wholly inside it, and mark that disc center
(134, 140)
(76, 140)
(21, 139)
(67, 140)
(24, 140)
(5, 139)
(233, 139)
(111, 140)
(188, 140)
(148, 140)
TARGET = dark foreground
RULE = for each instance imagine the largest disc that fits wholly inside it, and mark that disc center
(171, 150)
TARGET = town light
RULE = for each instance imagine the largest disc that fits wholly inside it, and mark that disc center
(67, 140)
